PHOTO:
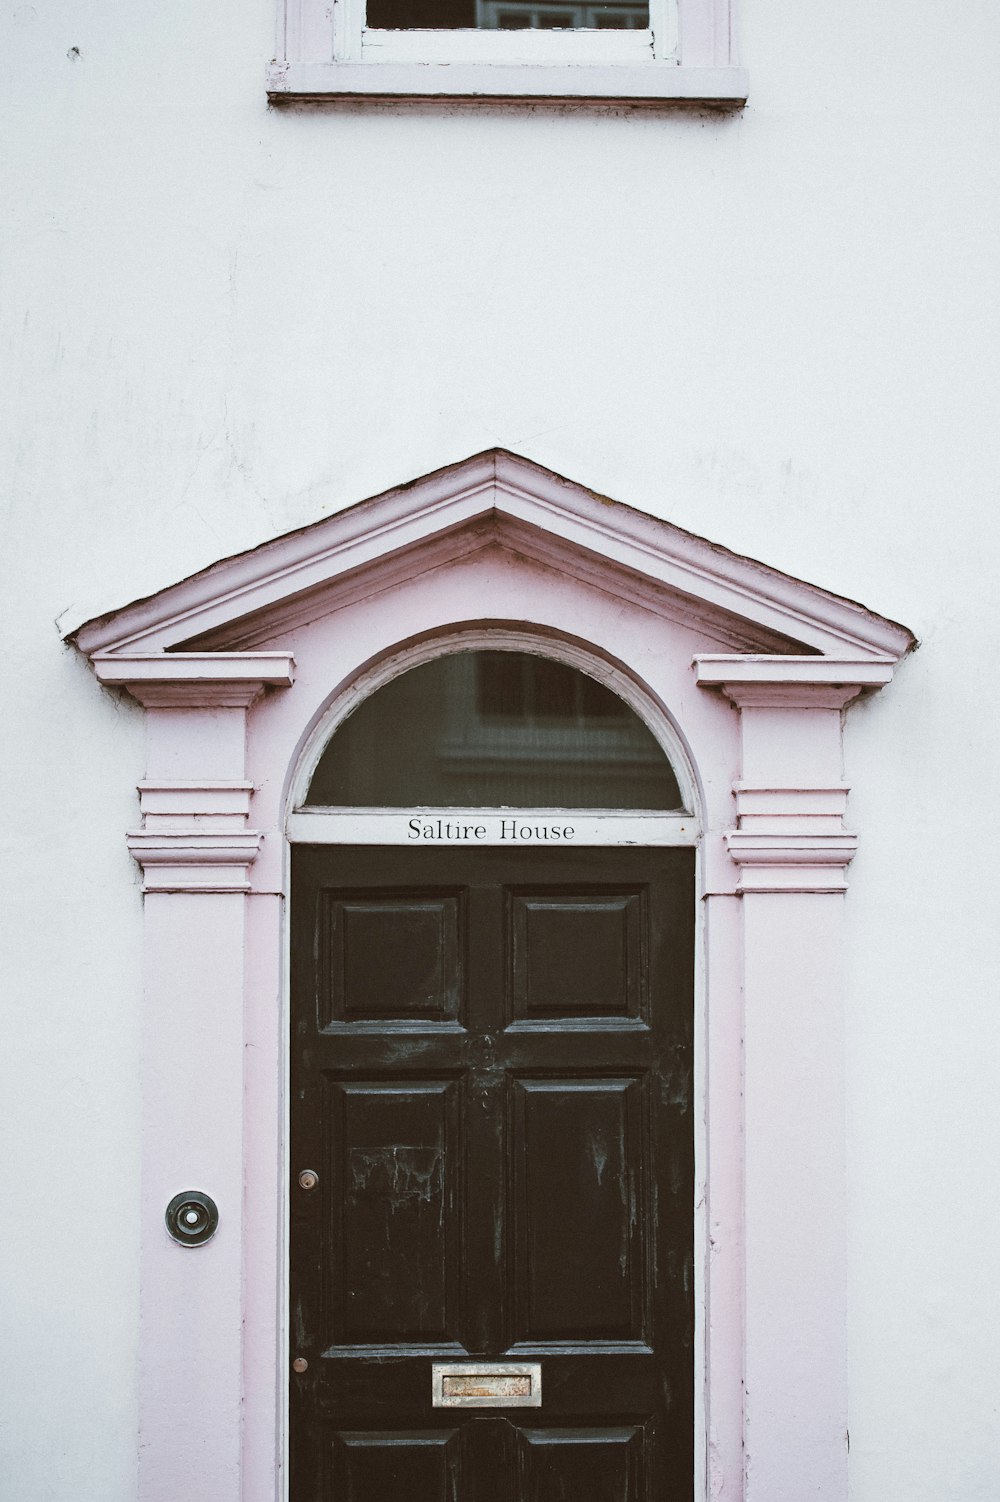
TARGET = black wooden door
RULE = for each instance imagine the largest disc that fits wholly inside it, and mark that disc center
(491, 1080)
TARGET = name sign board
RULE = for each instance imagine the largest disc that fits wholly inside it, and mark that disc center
(496, 830)
(549, 828)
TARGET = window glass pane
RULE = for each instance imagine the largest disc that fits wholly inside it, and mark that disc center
(494, 729)
(507, 15)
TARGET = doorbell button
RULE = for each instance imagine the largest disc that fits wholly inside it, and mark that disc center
(192, 1217)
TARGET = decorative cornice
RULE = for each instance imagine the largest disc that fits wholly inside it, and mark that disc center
(799, 802)
(195, 667)
(193, 860)
(779, 812)
(207, 806)
(195, 680)
(789, 862)
(758, 681)
(206, 798)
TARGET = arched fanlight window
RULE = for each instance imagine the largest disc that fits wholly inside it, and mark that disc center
(494, 729)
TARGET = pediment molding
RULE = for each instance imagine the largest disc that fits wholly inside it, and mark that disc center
(492, 500)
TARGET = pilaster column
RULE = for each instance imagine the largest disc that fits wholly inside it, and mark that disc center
(792, 851)
(195, 849)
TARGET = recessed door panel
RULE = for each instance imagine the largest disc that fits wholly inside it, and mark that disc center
(601, 1464)
(396, 1260)
(579, 1198)
(390, 957)
(491, 1064)
(576, 955)
(377, 1465)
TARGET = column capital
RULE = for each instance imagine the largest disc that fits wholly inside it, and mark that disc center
(759, 681)
(195, 680)
(790, 798)
(192, 860)
(195, 800)
(782, 861)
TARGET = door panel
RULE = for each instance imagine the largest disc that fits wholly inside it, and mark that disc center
(576, 955)
(491, 1065)
(395, 1262)
(582, 1465)
(376, 1465)
(391, 957)
(577, 1179)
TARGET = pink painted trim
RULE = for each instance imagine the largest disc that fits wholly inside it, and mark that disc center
(187, 860)
(194, 667)
(182, 800)
(766, 682)
(765, 755)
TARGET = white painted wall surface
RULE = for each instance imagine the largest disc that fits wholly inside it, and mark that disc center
(777, 329)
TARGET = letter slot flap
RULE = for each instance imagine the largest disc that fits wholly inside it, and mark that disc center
(486, 1384)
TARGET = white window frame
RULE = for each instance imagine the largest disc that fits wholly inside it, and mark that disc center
(325, 50)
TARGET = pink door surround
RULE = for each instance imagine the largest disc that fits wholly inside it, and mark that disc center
(744, 674)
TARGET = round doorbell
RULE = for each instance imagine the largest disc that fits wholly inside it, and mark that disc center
(192, 1217)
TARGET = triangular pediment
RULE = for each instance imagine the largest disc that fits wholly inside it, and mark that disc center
(493, 500)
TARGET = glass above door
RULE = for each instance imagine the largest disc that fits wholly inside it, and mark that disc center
(494, 729)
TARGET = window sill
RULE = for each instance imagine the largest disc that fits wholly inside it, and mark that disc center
(647, 83)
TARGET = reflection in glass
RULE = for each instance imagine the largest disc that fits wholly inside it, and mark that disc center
(507, 15)
(493, 730)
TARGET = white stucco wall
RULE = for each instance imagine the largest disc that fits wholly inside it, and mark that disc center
(778, 329)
